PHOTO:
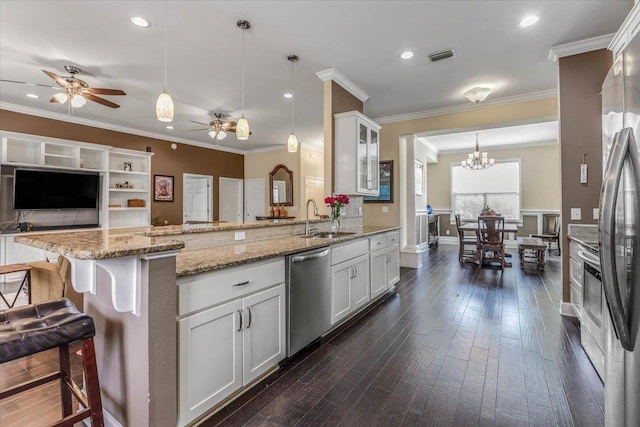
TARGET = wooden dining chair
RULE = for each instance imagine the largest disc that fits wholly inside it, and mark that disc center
(465, 240)
(550, 230)
(491, 239)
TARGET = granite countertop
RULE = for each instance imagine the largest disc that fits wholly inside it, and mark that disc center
(170, 230)
(98, 244)
(218, 257)
(589, 242)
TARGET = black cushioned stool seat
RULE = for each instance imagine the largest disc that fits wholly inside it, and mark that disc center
(54, 324)
(34, 328)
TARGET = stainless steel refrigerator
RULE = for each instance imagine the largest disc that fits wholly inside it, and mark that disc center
(619, 237)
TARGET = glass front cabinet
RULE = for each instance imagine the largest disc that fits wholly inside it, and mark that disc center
(356, 144)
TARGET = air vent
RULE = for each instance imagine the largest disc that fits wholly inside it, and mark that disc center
(439, 56)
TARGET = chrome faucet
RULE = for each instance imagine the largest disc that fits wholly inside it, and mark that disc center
(307, 230)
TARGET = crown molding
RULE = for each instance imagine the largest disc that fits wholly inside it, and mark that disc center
(342, 80)
(102, 125)
(580, 46)
(533, 96)
(267, 149)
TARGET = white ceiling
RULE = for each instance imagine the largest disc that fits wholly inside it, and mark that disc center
(514, 136)
(360, 39)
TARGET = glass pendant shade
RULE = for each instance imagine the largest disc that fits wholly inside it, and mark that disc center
(212, 134)
(292, 143)
(164, 107)
(221, 135)
(242, 129)
(61, 97)
(78, 101)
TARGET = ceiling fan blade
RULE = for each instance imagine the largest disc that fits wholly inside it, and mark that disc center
(98, 91)
(54, 100)
(197, 130)
(100, 100)
(57, 78)
(28, 84)
(228, 125)
(200, 123)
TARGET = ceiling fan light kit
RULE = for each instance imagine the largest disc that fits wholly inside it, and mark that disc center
(292, 141)
(164, 104)
(242, 127)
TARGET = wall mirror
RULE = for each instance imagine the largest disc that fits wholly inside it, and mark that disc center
(281, 184)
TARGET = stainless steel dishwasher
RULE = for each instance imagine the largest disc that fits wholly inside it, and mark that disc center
(308, 280)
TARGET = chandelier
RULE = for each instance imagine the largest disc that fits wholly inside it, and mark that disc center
(477, 160)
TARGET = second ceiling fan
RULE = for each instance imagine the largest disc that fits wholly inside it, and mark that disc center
(217, 128)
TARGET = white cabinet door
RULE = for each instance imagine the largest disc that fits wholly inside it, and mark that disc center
(374, 168)
(379, 272)
(340, 290)
(362, 166)
(359, 284)
(264, 343)
(210, 362)
(393, 265)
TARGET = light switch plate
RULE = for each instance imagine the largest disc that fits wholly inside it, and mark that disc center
(240, 235)
(596, 213)
(385, 209)
(576, 214)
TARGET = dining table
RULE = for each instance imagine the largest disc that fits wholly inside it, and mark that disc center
(473, 227)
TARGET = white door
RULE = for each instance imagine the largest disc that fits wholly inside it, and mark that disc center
(254, 198)
(264, 343)
(359, 284)
(231, 199)
(378, 272)
(198, 197)
(210, 361)
(340, 291)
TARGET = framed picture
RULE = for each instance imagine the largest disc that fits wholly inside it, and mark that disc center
(162, 188)
(128, 167)
(419, 178)
(386, 184)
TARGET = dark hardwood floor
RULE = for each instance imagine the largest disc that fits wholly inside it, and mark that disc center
(456, 346)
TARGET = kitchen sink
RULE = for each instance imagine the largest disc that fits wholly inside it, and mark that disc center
(329, 234)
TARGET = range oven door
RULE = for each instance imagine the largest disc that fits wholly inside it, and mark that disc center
(593, 309)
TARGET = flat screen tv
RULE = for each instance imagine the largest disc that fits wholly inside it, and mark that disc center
(53, 190)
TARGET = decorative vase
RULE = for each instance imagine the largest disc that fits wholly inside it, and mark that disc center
(335, 224)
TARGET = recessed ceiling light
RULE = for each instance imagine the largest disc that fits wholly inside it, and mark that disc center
(140, 22)
(288, 95)
(170, 127)
(528, 21)
(407, 54)
(33, 95)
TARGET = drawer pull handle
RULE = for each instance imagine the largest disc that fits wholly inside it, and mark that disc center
(249, 321)
(378, 243)
(240, 316)
(244, 283)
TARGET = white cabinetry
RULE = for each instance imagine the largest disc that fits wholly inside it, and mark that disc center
(630, 27)
(231, 331)
(349, 287)
(385, 262)
(129, 178)
(379, 282)
(356, 154)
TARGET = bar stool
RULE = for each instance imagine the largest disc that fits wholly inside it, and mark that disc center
(34, 328)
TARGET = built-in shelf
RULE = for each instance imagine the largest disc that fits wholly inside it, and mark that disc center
(60, 156)
(127, 190)
(68, 168)
(128, 172)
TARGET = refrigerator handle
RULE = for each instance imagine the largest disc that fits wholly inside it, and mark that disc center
(623, 144)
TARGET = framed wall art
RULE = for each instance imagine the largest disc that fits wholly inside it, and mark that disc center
(163, 188)
(386, 184)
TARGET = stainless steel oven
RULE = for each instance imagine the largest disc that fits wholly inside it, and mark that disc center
(593, 309)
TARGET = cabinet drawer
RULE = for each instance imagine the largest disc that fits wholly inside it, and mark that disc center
(349, 251)
(377, 242)
(393, 238)
(212, 288)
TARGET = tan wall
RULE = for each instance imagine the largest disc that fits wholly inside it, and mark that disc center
(540, 177)
(391, 132)
(580, 80)
(260, 165)
(185, 159)
(336, 100)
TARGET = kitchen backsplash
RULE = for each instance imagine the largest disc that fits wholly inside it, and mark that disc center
(353, 218)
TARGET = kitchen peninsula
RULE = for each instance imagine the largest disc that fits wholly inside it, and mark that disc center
(169, 305)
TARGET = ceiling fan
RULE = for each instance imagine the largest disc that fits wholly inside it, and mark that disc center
(76, 91)
(217, 128)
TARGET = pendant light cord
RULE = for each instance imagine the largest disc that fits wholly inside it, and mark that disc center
(293, 91)
(166, 12)
(243, 72)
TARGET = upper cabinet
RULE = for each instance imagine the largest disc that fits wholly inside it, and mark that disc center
(629, 28)
(356, 154)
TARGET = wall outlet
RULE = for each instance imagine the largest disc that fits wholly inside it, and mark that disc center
(576, 214)
(240, 235)
(447, 232)
(596, 213)
(385, 209)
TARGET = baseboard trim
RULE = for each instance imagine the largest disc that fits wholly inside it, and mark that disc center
(109, 420)
(566, 309)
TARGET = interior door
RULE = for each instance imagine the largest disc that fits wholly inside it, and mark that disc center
(197, 198)
(231, 199)
(254, 198)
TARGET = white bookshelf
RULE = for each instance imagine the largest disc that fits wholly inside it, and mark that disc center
(139, 178)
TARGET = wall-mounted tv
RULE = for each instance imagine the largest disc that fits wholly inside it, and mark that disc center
(54, 190)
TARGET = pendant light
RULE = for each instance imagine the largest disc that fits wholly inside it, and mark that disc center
(164, 105)
(292, 141)
(242, 127)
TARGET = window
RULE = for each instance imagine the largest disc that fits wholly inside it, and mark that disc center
(497, 187)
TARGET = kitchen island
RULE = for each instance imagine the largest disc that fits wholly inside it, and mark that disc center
(130, 276)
